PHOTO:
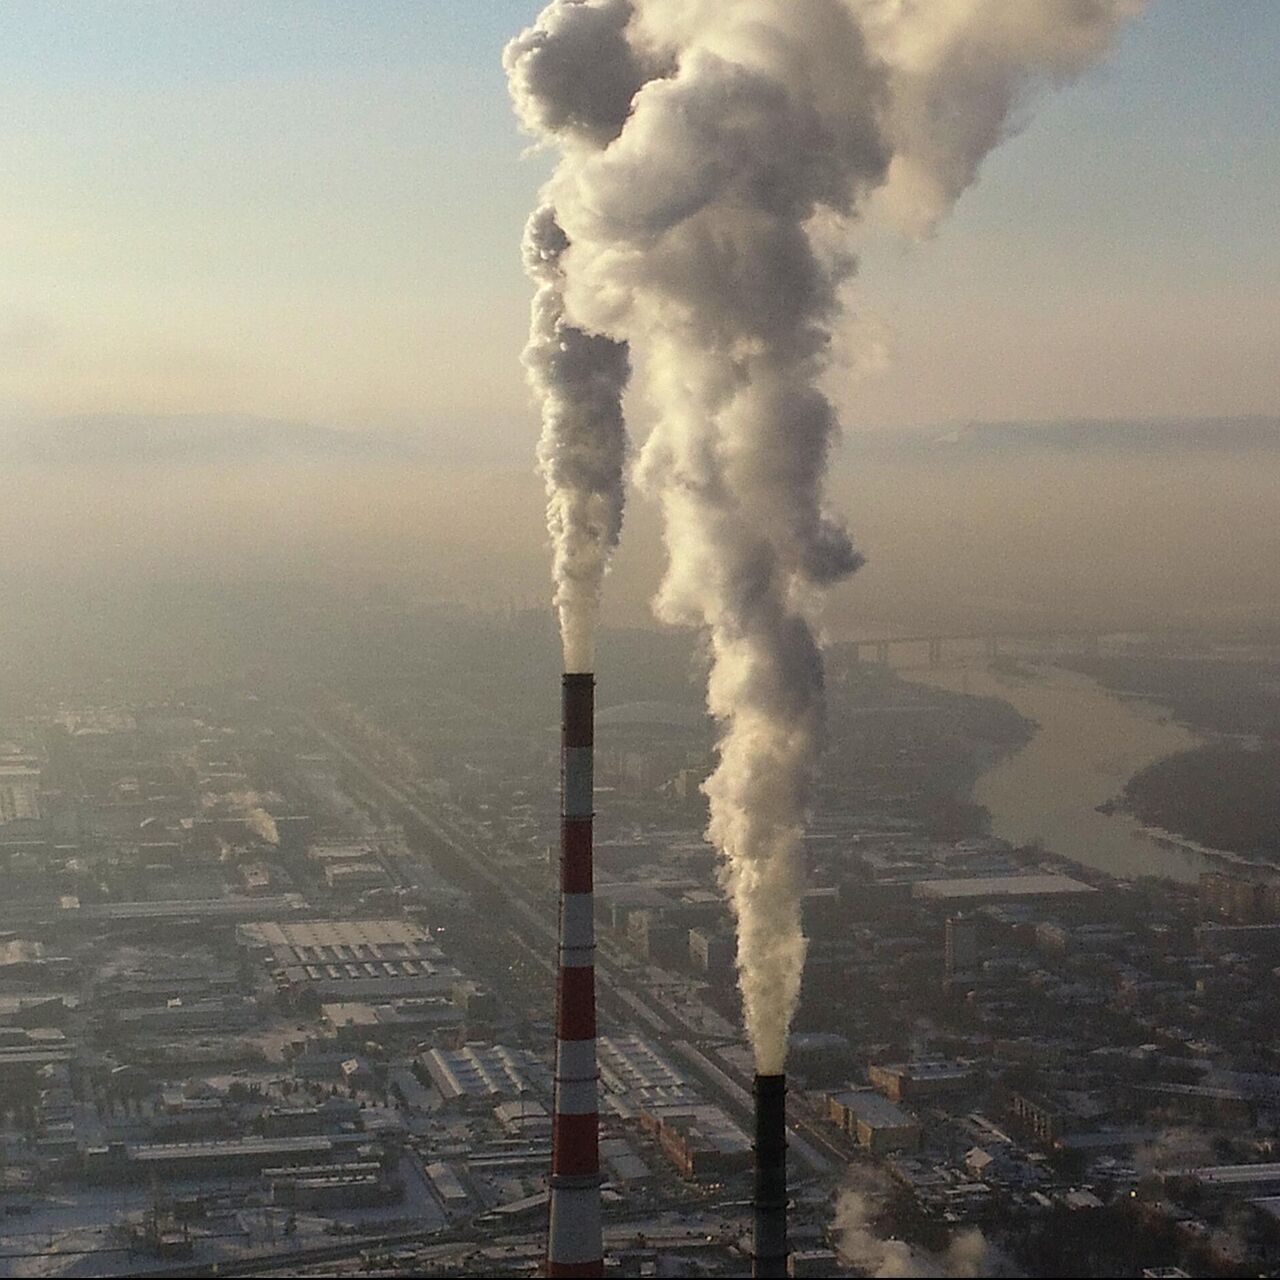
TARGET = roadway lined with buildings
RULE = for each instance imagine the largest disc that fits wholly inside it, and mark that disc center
(612, 986)
(277, 999)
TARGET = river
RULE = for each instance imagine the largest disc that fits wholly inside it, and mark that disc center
(1088, 743)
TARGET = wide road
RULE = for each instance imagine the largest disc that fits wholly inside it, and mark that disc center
(539, 933)
(657, 1233)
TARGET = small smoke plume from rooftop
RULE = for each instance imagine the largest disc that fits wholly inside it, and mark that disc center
(250, 808)
(967, 1254)
(710, 225)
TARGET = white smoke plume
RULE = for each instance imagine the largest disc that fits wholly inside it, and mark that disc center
(709, 224)
(963, 74)
(967, 1255)
(249, 806)
(579, 378)
(573, 77)
(263, 824)
(575, 72)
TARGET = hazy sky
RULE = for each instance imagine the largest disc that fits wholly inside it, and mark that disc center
(311, 210)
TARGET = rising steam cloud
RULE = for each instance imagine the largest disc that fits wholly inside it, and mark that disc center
(579, 378)
(716, 161)
(573, 77)
(968, 1253)
(249, 806)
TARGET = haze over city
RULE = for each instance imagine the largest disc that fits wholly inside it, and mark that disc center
(640, 637)
(233, 230)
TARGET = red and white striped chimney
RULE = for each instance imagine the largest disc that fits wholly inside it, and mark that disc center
(575, 1244)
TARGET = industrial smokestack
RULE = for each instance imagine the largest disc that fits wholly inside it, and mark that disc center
(716, 164)
(575, 1244)
(769, 1250)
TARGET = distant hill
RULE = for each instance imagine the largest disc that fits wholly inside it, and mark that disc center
(228, 439)
(189, 438)
(1079, 436)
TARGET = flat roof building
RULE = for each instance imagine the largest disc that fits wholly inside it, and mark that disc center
(483, 1073)
(228, 908)
(351, 960)
(925, 1078)
(702, 1141)
(447, 1185)
(19, 791)
(636, 1078)
(229, 1157)
(877, 1124)
(355, 877)
(1252, 1181)
(997, 888)
(404, 1017)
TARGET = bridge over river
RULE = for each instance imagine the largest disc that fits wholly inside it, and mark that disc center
(938, 649)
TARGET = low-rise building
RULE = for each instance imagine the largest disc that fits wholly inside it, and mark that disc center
(702, 1142)
(1235, 1181)
(978, 889)
(480, 1074)
(355, 877)
(230, 1157)
(356, 1185)
(876, 1123)
(711, 951)
(350, 960)
(923, 1078)
(177, 1016)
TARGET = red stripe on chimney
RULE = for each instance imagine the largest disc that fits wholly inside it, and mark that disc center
(575, 1143)
(576, 1004)
(575, 861)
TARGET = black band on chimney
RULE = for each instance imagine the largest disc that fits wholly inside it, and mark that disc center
(770, 1237)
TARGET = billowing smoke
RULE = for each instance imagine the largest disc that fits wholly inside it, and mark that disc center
(573, 77)
(259, 821)
(573, 74)
(967, 1254)
(709, 225)
(962, 77)
(248, 805)
(579, 378)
